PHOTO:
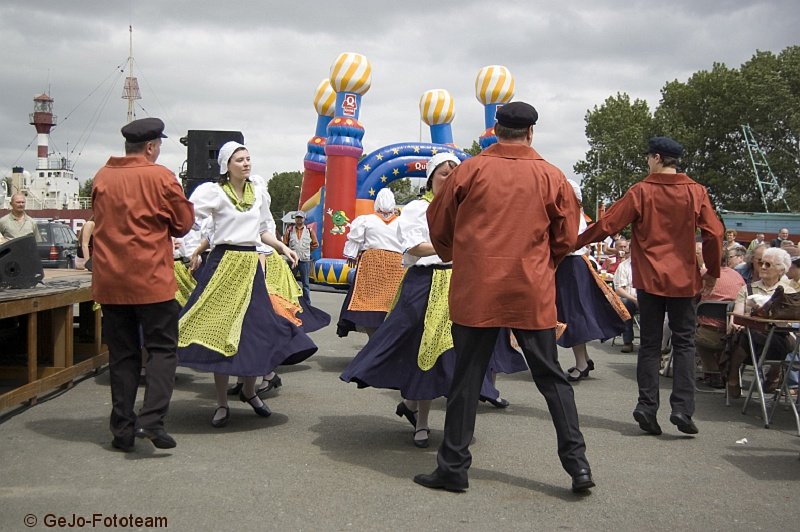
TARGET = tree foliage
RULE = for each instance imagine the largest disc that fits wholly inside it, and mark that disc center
(403, 191)
(86, 189)
(284, 189)
(473, 150)
(706, 114)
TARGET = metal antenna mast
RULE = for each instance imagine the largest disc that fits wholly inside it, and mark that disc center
(131, 90)
(764, 177)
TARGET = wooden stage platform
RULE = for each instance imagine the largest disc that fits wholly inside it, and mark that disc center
(43, 346)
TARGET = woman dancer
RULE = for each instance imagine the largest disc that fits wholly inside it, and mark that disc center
(586, 304)
(228, 325)
(284, 293)
(412, 351)
(373, 243)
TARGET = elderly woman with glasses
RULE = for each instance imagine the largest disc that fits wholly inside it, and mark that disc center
(774, 264)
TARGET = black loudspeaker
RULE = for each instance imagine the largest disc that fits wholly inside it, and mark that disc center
(202, 149)
(20, 265)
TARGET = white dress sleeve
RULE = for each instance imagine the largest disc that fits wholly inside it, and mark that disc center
(206, 199)
(412, 225)
(355, 237)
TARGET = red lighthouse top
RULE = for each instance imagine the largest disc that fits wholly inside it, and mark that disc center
(42, 116)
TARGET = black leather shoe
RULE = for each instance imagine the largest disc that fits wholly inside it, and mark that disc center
(683, 422)
(267, 385)
(647, 422)
(499, 402)
(126, 446)
(221, 422)
(262, 409)
(235, 389)
(423, 443)
(582, 481)
(436, 482)
(159, 437)
(403, 411)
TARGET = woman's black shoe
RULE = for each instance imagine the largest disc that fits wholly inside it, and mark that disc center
(582, 374)
(402, 410)
(235, 389)
(499, 402)
(422, 444)
(267, 385)
(221, 422)
(262, 409)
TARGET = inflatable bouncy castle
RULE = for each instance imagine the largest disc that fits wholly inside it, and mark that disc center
(339, 185)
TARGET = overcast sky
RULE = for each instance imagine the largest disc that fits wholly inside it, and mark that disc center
(253, 66)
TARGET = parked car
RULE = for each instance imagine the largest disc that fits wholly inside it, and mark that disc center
(58, 245)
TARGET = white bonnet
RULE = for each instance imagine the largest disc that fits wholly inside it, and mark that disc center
(225, 153)
(384, 201)
(438, 159)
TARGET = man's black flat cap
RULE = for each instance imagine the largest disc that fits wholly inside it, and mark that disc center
(664, 146)
(143, 130)
(517, 115)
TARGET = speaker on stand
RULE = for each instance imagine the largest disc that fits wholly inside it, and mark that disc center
(202, 149)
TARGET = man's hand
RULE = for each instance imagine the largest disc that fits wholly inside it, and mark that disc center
(351, 262)
(709, 283)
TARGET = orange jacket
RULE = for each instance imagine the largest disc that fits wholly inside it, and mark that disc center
(665, 211)
(138, 206)
(506, 218)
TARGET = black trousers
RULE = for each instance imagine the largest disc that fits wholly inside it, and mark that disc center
(158, 323)
(473, 347)
(681, 312)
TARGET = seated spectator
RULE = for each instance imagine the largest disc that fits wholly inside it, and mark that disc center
(735, 258)
(711, 333)
(757, 241)
(623, 286)
(730, 239)
(787, 244)
(616, 255)
(610, 243)
(774, 263)
(751, 271)
(794, 270)
(783, 234)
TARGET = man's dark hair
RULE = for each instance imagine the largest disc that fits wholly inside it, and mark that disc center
(135, 147)
(509, 133)
(671, 162)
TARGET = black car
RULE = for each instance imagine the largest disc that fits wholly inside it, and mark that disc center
(58, 245)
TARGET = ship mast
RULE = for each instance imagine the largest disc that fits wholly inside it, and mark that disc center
(131, 90)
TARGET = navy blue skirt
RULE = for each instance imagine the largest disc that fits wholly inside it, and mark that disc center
(389, 360)
(312, 317)
(267, 340)
(582, 305)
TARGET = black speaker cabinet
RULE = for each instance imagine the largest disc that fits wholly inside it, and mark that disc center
(202, 149)
(20, 265)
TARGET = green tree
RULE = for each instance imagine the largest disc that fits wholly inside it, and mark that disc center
(706, 114)
(284, 188)
(475, 149)
(402, 190)
(617, 132)
(86, 189)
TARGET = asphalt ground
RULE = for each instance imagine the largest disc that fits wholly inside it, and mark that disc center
(332, 457)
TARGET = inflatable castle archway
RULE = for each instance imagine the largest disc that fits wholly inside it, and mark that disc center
(337, 186)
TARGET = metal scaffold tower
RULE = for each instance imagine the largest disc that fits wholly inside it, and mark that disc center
(764, 176)
(130, 91)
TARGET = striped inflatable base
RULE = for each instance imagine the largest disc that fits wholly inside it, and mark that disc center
(330, 271)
